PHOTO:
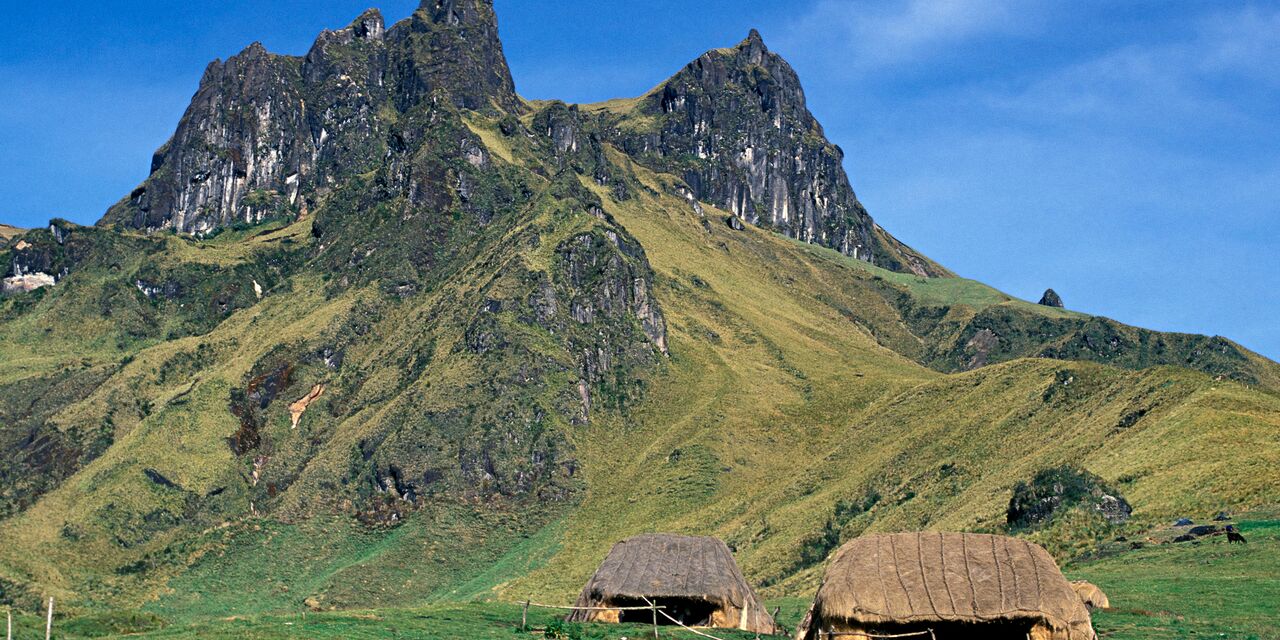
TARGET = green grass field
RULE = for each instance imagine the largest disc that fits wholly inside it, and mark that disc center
(1208, 589)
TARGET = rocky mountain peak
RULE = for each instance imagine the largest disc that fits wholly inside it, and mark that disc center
(453, 45)
(750, 64)
(734, 125)
(264, 131)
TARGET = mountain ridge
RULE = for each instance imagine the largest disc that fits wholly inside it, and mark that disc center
(264, 128)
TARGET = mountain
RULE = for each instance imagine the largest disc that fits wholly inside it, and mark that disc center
(377, 331)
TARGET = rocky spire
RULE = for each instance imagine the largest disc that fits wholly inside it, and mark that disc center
(1051, 299)
(453, 46)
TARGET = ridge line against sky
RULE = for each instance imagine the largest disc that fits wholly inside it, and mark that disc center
(1125, 154)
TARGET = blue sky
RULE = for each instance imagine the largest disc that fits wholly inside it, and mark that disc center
(1125, 154)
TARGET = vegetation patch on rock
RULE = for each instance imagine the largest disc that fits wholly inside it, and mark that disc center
(1059, 488)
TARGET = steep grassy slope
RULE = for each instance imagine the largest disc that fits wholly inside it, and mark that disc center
(60, 345)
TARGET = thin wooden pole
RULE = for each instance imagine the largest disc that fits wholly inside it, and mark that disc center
(564, 608)
(48, 625)
(654, 605)
(862, 634)
(524, 617)
(8, 634)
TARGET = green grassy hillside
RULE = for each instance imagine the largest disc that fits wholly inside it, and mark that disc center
(509, 382)
(776, 409)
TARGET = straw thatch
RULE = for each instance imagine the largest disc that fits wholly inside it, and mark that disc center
(1091, 595)
(679, 572)
(947, 581)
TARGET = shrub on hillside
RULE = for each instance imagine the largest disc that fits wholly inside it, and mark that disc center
(1059, 488)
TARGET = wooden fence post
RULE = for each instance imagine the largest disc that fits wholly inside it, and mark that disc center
(654, 607)
(524, 617)
(48, 625)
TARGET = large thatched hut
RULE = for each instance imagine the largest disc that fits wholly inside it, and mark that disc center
(694, 579)
(957, 585)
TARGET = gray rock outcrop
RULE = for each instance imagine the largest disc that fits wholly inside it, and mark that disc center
(1051, 299)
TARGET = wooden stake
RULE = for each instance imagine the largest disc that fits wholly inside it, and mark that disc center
(524, 617)
(48, 625)
(654, 605)
(8, 634)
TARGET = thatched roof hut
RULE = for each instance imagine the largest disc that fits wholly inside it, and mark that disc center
(1091, 595)
(694, 579)
(959, 585)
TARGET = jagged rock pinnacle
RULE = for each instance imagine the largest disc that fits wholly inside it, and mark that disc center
(754, 46)
(1051, 299)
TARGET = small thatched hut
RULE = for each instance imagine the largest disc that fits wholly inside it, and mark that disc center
(695, 580)
(959, 585)
(1091, 595)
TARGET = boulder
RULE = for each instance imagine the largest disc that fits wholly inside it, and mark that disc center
(1202, 530)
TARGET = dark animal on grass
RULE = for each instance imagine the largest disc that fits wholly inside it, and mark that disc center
(1234, 536)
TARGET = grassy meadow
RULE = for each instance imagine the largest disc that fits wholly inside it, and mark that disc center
(1208, 589)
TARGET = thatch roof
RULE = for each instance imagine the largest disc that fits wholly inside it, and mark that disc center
(950, 577)
(663, 565)
(1091, 595)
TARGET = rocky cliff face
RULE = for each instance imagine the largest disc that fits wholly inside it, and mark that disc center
(40, 260)
(734, 124)
(266, 134)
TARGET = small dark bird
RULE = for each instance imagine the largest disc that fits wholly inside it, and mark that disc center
(1234, 536)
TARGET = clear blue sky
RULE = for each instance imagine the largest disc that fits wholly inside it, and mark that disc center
(1126, 154)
